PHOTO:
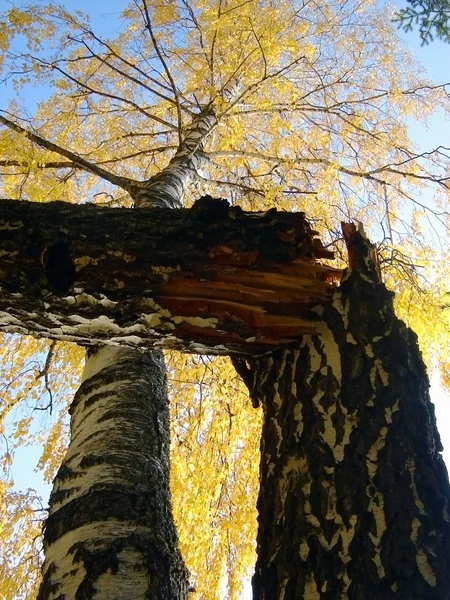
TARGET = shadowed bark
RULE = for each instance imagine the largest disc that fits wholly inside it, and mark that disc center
(207, 279)
(354, 497)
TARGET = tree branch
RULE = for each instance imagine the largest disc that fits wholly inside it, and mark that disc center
(44, 373)
(148, 25)
(123, 182)
(71, 165)
(92, 90)
(369, 174)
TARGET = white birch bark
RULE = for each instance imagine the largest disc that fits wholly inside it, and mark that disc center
(110, 532)
(168, 188)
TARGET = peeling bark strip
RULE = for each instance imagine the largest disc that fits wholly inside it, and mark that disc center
(354, 498)
(208, 279)
(110, 532)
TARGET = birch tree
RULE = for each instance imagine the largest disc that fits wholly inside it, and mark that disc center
(297, 106)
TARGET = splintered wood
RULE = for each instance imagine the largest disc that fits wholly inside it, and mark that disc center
(210, 279)
(255, 301)
(270, 300)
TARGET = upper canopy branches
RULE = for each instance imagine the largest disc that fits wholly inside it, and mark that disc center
(210, 279)
(310, 101)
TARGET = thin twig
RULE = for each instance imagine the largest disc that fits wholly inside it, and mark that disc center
(44, 373)
(105, 61)
(92, 90)
(148, 25)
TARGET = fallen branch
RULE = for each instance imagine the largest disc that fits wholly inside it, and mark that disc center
(211, 279)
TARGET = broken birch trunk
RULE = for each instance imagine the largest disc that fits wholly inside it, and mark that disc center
(354, 497)
(210, 279)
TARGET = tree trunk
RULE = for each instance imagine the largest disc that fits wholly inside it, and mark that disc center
(354, 497)
(110, 532)
(212, 278)
(168, 188)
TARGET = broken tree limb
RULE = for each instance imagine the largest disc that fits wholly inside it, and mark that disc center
(362, 254)
(212, 278)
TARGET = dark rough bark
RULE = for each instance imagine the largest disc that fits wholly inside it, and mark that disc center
(354, 498)
(110, 532)
(207, 279)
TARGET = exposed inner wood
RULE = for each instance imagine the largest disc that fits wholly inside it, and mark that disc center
(214, 276)
(273, 300)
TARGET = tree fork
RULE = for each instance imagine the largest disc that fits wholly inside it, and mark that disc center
(211, 279)
(354, 497)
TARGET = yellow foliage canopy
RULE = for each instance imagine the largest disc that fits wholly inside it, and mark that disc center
(311, 101)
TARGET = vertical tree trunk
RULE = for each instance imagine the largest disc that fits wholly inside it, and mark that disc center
(354, 498)
(168, 187)
(110, 532)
